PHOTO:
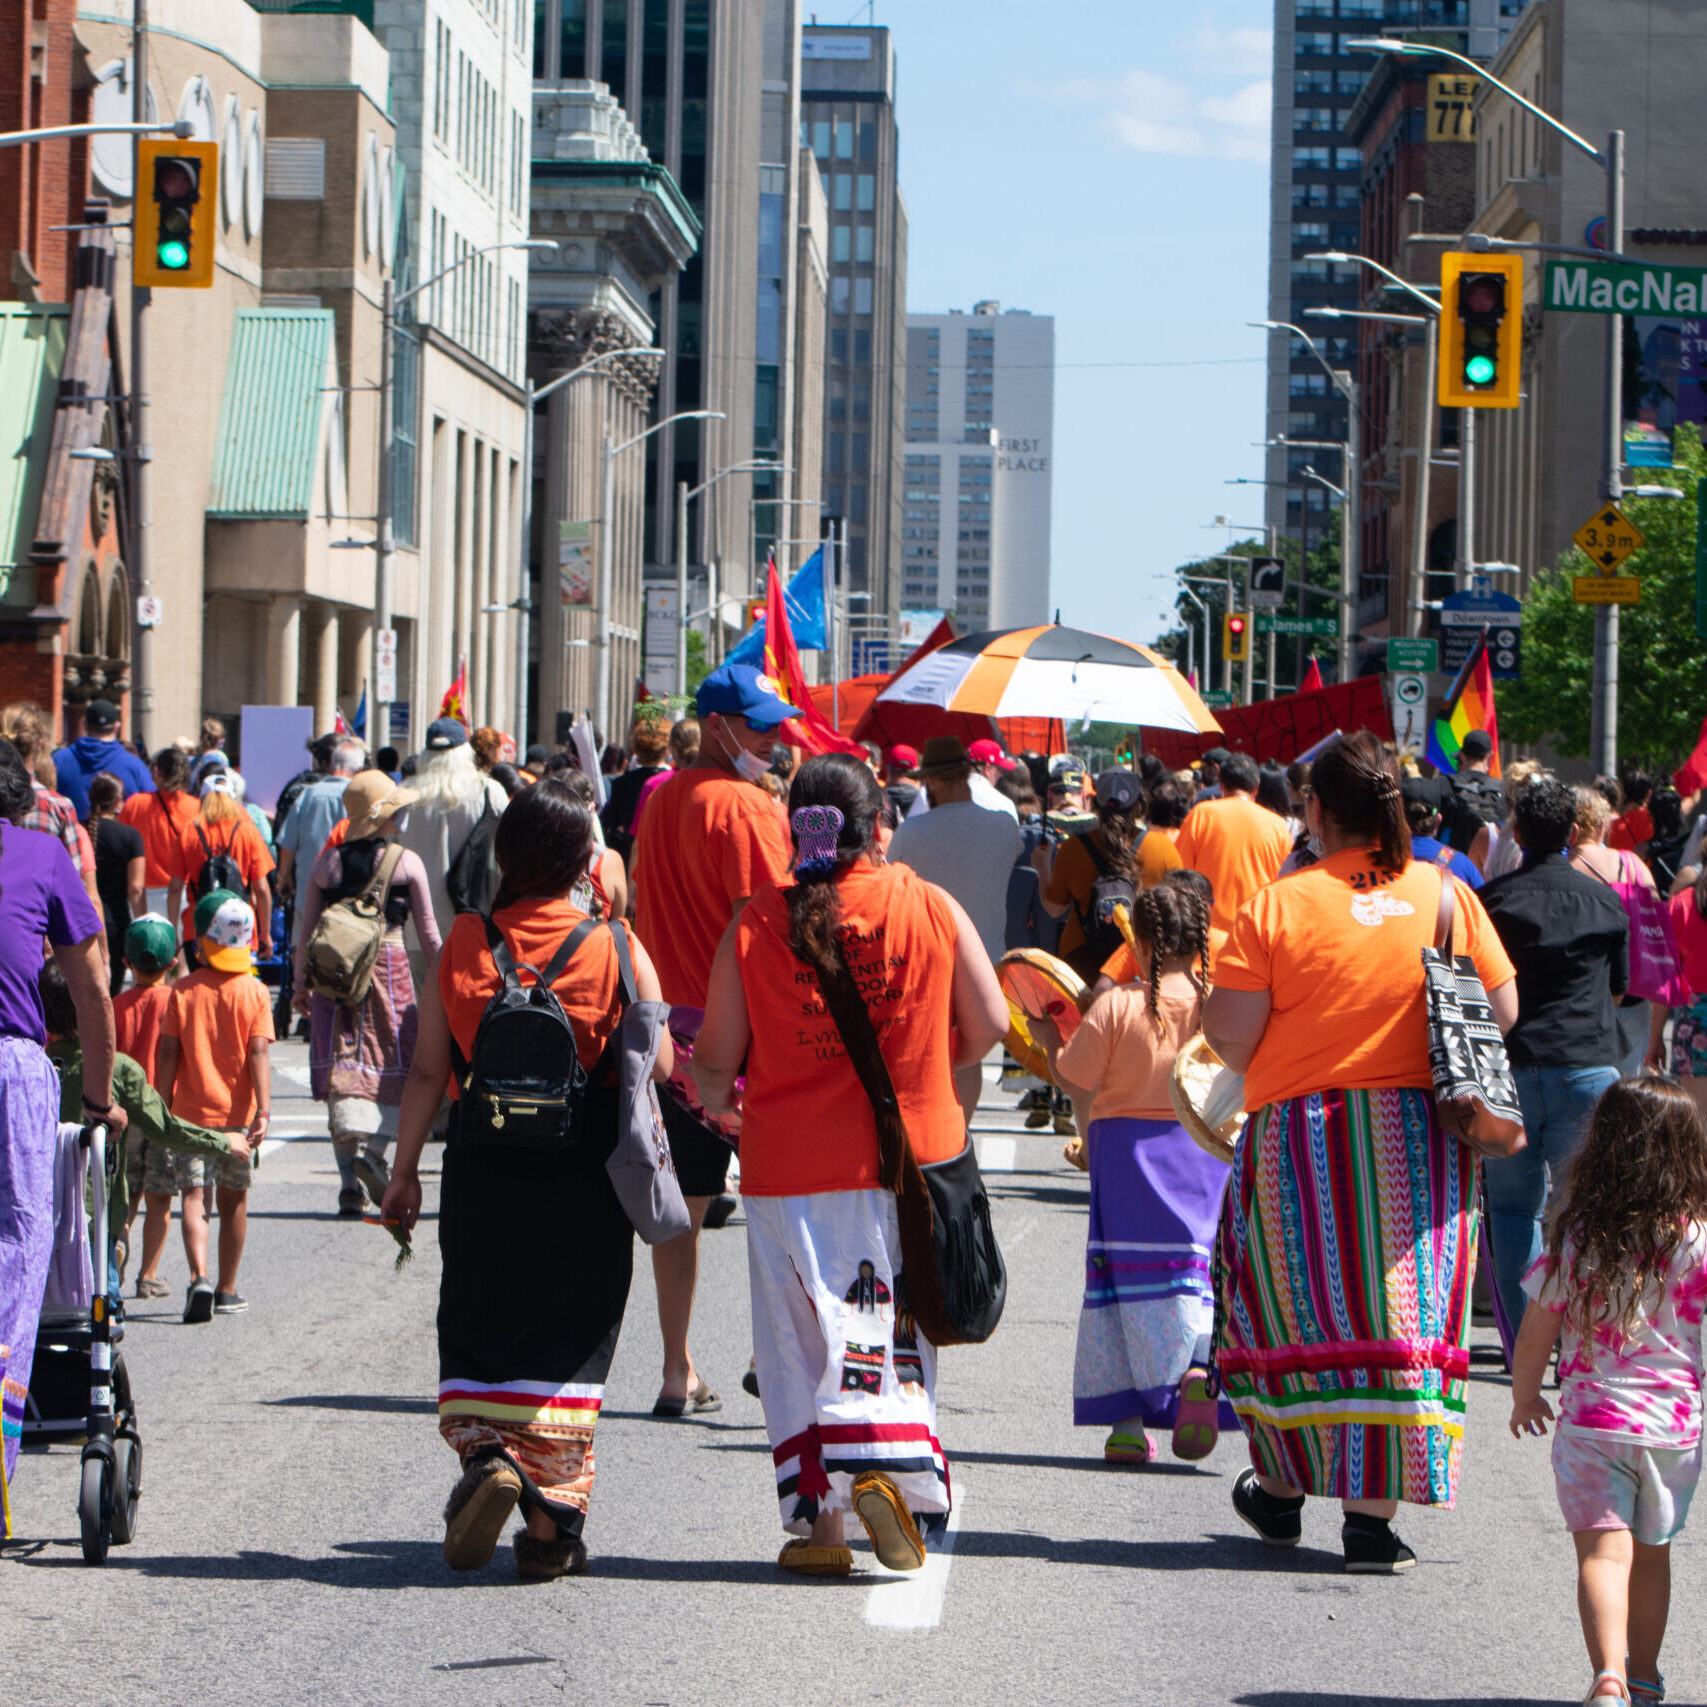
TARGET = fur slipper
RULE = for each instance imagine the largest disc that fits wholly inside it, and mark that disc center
(539, 1561)
(477, 1510)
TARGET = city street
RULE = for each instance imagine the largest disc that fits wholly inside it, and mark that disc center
(289, 1534)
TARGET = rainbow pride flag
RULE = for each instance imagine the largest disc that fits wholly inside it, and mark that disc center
(1469, 705)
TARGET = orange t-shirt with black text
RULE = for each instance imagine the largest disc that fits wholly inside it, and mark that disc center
(137, 1016)
(1238, 845)
(806, 1122)
(215, 1016)
(707, 841)
(1339, 949)
(533, 930)
(161, 820)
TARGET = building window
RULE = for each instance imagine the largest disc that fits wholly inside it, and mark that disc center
(1312, 83)
(856, 504)
(839, 293)
(862, 349)
(1309, 195)
(844, 139)
(868, 141)
(1314, 41)
(839, 346)
(838, 452)
(867, 201)
(1348, 159)
(1348, 195)
(842, 193)
(861, 452)
(821, 138)
(1350, 82)
(862, 296)
(864, 243)
(1319, 159)
(1309, 232)
(1314, 118)
(841, 246)
(861, 401)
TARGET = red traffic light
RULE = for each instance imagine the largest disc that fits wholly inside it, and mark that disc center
(1235, 625)
(175, 180)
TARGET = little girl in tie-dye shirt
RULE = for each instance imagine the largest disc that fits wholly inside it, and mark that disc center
(1624, 1281)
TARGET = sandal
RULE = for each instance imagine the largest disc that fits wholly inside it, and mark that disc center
(702, 1401)
(1125, 1447)
(477, 1510)
(1196, 1424)
(151, 1286)
(801, 1557)
(1644, 1689)
(1592, 1700)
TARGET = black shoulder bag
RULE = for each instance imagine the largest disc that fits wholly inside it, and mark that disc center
(957, 1282)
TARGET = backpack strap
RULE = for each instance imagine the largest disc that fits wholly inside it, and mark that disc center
(625, 964)
(383, 873)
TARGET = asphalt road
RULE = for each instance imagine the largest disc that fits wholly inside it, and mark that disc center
(289, 1535)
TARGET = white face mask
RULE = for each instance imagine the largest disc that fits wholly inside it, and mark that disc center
(749, 767)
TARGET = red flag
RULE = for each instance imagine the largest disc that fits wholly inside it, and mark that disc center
(456, 695)
(1693, 775)
(811, 729)
(1312, 682)
(642, 693)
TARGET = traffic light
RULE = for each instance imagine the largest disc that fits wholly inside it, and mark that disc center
(1235, 637)
(177, 191)
(1481, 331)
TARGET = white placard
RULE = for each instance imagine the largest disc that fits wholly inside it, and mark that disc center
(274, 748)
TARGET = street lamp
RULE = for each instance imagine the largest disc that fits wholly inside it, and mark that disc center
(379, 730)
(182, 128)
(1603, 738)
(1351, 515)
(602, 639)
(683, 498)
(523, 606)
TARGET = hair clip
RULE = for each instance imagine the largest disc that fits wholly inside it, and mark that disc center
(816, 829)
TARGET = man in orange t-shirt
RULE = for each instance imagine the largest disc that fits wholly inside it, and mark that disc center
(709, 839)
(1238, 845)
(161, 818)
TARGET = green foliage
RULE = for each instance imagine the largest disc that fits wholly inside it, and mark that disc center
(1662, 691)
(698, 668)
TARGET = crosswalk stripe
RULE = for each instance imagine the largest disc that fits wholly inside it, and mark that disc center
(913, 1600)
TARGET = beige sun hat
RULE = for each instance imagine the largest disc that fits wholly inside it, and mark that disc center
(371, 797)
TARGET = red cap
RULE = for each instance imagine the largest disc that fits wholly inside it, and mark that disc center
(902, 757)
(988, 752)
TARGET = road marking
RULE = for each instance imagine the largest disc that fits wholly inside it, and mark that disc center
(913, 1600)
(278, 1140)
(996, 1155)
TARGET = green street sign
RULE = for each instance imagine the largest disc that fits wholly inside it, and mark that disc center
(1413, 655)
(1322, 625)
(1216, 700)
(1623, 287)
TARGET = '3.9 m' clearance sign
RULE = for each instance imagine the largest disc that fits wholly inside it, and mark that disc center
(1615, 287)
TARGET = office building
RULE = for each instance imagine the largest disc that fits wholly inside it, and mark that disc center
(847, 118)
(979, 450)
(1316, 188)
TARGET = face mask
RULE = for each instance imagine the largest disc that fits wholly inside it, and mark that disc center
(749, 767)
(401, 820)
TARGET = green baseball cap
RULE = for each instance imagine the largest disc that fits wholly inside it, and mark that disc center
(150, 945)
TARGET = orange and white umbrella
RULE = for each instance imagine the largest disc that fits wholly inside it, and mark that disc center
(1051, 671)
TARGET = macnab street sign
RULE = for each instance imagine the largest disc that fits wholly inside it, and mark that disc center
(1616, 287)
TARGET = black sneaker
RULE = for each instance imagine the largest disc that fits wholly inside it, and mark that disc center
(352, 1205)
(229, 1303)
(1279, 1522)
(718, 1211)
(1372, 1549)
(198, 1300)
(373, 1176)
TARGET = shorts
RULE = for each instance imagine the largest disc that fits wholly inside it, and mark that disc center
(1615, 1484)
(1689, 1040)
(168, 1173)
(701, 1157)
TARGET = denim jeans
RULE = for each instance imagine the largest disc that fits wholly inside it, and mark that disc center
(1556, 1103)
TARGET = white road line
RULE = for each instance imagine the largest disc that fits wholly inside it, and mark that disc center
(913, 1600)
(279, 1139)
(996, 1155)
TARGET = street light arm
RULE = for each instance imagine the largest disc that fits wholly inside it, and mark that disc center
(587, 366)
(1327, 367)
(1423, 50)
(753, 467)
(657, 426)
(485, 249)
(181, 128)
(1342, 258)
(1367, 314)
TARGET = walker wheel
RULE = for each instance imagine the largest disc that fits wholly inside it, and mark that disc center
(94, 1510)
(127, 1487)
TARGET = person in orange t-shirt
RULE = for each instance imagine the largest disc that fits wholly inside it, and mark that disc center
(223, 827)
(538, 1253)
(709, 839)
(1346, 1266)
(163, 818)
(215, 1070)
(846, 1380)
(1238, 845)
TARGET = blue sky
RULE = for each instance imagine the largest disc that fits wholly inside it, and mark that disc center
(1107, 164)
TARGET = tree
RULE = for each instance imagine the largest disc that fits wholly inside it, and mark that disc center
(1662, 690)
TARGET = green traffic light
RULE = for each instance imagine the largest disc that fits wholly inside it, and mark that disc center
(1479, 370)
(173, 257)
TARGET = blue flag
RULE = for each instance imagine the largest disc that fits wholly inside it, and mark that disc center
(805, 596)
(359, 721)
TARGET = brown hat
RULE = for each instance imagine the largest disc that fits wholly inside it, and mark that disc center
(943, 754)
(370, 797)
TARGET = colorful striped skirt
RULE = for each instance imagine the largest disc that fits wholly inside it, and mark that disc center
(1346, 1254)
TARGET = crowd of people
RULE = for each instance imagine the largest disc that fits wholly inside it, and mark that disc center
(1314, 1291)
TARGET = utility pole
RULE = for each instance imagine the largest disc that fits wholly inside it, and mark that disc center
(379, 723)
(1351, 518)
(1603, 736)
(141, 453)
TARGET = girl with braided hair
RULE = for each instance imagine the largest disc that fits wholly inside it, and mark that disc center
(1144, 1328)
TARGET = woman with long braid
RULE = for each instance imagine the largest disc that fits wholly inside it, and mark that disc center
(1144, 1328)
(847, 1381)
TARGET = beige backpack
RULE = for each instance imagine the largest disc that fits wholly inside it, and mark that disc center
(344, 945)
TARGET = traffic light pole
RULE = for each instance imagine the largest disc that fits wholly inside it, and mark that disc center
(141, 454)
(1466, 564)
(1603, 732)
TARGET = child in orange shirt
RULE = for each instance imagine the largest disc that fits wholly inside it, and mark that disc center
(214, 1070)
(150, 947)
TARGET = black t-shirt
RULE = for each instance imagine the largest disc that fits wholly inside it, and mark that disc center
(1569, 938)
(116, 845)
(618, 812)
(902, 794)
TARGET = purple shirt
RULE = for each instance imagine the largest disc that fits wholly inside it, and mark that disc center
(41, 895)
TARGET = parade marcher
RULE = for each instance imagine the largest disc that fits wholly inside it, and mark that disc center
(538, 1253)
(98, 749)
(1422, 813)
(684, 753)
(1623, 1283)
(708, 840)
(161, 818)
(650, 741)
(1633, 828)
(1689, 1027)
(1347, 1246)
(120, 866)
(45, 902)
(209, 754)
(304, 827)
(1238, 845)
(1149, 1305)
(1494, 850)
(358, 1058)
(1209, 777)
(1569, 939)
(1671, 835)
(220, 847)
(900, 777)
(452, 794)
(1477, 800)
(1591, 854)
(215, 1070)
(847, 1383)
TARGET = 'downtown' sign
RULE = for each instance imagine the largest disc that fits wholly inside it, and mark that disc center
(1610, 287)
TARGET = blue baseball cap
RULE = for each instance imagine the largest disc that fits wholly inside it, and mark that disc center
(738, 690)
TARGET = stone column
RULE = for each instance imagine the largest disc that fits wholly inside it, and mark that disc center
(284, 638)
(321, 620)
